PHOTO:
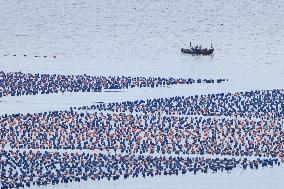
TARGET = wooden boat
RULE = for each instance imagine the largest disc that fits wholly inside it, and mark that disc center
(198, 51)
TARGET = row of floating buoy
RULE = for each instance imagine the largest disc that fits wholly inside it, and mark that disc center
(36, 56)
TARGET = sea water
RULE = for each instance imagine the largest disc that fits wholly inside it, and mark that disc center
(144, 38)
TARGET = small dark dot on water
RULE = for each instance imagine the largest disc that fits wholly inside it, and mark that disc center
(222, 24)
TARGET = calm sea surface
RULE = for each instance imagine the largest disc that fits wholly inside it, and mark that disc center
(247, 35)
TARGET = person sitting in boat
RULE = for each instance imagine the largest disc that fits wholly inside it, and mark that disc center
(198, 49)
(195, 50)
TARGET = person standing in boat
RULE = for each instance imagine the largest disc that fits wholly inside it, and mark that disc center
(191, 47)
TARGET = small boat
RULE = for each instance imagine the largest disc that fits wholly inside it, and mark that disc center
(198, 50)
